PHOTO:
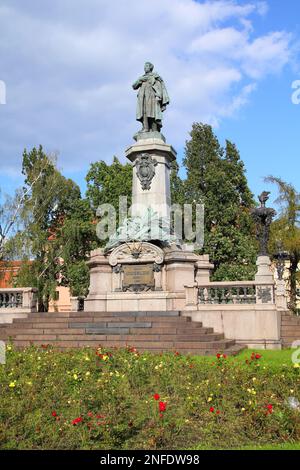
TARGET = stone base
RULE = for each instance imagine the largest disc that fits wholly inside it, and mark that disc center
(255, 326)
(135, 302)
(173, 270)
(143, 135)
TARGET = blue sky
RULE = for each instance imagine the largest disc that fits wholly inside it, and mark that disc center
(68, 66)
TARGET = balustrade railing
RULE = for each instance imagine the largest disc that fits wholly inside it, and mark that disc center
(18, 299)
(11, 299)
(230, 293)
(227, 294)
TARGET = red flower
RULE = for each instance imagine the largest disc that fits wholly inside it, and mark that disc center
(162, 406)
(54, 414)
(211, 409)
(156, 396)
(219, 356)
(257, 356)
(218, 412)
(270, 408)
(224, 356)
(77, 421)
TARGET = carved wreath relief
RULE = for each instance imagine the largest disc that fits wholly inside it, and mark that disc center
(145, 170)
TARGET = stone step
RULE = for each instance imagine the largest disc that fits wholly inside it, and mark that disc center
(151, 331)
(45, 316)
(288, 329)
(147, 345)
(292, 322)
(122, 337)
(106, 319)
(152, 314)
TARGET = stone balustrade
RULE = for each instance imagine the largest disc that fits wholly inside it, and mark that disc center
(15, 302)
(226, 293)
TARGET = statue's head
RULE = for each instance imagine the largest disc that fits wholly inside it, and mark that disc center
(148, 67)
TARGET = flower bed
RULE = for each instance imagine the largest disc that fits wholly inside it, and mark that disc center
(120, 399)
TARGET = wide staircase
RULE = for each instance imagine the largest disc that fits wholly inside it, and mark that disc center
(290, 329)
(146, 331)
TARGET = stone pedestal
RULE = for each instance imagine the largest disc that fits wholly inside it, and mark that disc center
(203, 269)
(264, 280)
(100, 281)
(142, 276)
(151, 159)
(264, 274)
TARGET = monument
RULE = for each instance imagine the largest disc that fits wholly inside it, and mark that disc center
(144, 265)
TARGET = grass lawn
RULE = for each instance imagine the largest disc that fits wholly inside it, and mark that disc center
(120, 399)
(271, 358)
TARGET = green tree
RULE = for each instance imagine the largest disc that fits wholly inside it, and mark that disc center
(216, 178)
(58, 228)
(286, 230)
(77, 237)
(105, 184)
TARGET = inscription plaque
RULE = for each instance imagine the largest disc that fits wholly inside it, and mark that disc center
(138, 276)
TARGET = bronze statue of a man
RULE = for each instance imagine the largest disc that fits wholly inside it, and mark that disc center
(152, 99)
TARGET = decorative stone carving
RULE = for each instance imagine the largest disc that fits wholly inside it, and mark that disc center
(125, 254)
(156, 268)
(264, 294)
(141, 229)
(145, 170)
(117, 269)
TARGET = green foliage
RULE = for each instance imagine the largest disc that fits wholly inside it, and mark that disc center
(82, 400)
(58, 229)
(216, 177)
(285, 231)
(78, 277)
(106, 183)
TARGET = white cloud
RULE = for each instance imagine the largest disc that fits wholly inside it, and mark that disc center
(69, 65)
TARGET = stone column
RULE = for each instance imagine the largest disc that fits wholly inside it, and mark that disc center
(203, 269)
(264, 280)
(100, 281)
(264, 274)
(151, 159)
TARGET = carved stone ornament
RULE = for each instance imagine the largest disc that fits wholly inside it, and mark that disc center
(117, 269)
(145, 170)
(264, 294)
(125, 253)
